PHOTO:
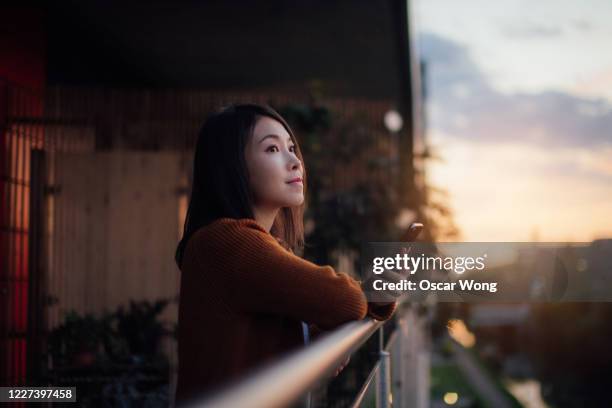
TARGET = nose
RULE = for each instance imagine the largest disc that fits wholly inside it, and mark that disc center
(294, 162)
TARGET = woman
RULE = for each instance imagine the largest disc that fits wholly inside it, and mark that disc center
(244, 294)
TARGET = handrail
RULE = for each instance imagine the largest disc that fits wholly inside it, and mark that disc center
(291, 377)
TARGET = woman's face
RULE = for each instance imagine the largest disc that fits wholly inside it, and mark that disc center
(275, 172)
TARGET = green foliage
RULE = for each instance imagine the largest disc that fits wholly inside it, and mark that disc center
(342, 218)
(140, 327)
(79, 334)
(308, 119)
(113, 336)
(494, 377)
(446, 377)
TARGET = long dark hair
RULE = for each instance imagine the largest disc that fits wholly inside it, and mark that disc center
(221, 186)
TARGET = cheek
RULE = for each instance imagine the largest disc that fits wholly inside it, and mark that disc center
(264, 169)
(264, 175)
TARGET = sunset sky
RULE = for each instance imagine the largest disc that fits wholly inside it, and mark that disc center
(520, 108)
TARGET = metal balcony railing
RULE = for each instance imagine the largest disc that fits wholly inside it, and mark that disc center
(286, 381)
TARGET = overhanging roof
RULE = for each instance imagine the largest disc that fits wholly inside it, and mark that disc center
(353, 48)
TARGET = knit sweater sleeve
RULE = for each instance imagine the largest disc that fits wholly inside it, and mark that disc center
(256, 274)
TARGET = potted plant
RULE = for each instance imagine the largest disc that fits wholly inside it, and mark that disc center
(140, 327)
(80, 340)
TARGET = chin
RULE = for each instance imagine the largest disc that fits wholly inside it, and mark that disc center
(294, 201)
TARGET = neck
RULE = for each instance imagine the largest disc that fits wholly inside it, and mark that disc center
(265, 217)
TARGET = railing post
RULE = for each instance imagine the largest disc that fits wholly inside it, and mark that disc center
(398, 368)
(410, 362)
(383, 386)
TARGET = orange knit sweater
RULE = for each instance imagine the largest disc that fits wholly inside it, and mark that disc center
(243, 297)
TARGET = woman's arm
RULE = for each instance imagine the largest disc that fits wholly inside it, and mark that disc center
(255, 274)
(381, 311)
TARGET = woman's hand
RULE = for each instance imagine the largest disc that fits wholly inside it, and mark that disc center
(387, 295)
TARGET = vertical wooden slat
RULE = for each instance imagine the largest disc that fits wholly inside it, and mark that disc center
(5, 157)
(60, 234)
(36, 277)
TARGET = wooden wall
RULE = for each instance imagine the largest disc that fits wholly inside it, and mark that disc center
(115, 229)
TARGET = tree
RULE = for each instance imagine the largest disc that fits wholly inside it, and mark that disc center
(343, 215)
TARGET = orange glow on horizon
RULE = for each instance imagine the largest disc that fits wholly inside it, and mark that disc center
(519, 192)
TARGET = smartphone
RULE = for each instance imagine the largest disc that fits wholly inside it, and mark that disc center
(413, 231)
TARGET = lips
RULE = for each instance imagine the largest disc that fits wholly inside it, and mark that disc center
(295, 180)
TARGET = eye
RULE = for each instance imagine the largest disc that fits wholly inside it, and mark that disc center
(269, 149)
(292, 148)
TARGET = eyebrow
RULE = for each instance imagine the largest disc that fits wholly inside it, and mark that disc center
(275, 137)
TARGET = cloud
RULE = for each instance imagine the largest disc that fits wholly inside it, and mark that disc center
(599, 83)
(530, 30)
(516, 163)
(582, 25)
(462, 102)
